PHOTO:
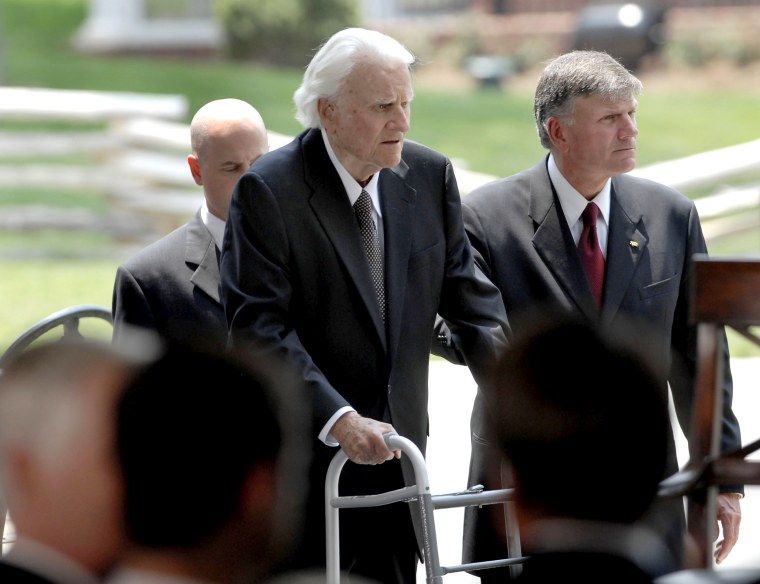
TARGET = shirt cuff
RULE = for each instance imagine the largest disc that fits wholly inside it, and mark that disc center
(325, 435)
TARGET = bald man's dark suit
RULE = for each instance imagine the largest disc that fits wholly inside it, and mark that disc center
(172, 287)
(295, 278)
(12, 574)
(523, 243)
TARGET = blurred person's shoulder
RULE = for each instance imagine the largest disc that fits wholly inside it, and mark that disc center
(314, 577)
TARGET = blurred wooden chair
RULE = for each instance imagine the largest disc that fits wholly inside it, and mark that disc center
(725, 293)
(62, 324)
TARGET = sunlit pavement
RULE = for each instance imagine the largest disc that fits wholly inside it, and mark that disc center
(452, 390)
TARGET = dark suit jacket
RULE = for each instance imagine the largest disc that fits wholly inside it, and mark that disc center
(295, 277)
(523, 243)
(10, 574)
(586, 567)
(172, 287)
(593, 552)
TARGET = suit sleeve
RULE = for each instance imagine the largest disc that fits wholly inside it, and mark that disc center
(471, 304)
(129, 306)
(446, 344)
(256, 289)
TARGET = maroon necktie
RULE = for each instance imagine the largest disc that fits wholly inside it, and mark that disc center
(591, 253)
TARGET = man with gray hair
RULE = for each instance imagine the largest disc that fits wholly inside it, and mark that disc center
(340, 249)
(575, 234)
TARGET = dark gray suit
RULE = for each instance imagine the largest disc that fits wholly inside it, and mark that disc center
(295, 278)
(10, 574)
(172, 287)
(523, 243)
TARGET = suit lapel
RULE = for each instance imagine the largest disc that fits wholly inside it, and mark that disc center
(626, 244)
(554, 242)
(331, 207)
(201, 252)
(397, 200)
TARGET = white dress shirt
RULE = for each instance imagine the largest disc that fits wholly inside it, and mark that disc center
(213, 224)
(353, 190)
(40, 559)
(573, 205)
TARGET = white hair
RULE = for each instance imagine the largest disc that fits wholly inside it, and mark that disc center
(328, 70)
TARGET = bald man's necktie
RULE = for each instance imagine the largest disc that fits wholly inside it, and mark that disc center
(591, 253)
(363, 210)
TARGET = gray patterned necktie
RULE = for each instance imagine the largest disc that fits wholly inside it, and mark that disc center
(363, 210)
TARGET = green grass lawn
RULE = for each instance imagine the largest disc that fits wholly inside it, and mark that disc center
(31, 290)
(487, 131)
(492, 131)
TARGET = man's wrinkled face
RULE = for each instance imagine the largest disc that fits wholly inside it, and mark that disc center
(368, 121)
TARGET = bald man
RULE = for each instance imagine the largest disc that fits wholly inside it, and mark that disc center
(172, 286)
(58, 467)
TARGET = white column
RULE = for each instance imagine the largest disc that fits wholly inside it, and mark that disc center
(121, 25)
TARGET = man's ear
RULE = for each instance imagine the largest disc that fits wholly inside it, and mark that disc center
(326, 111)
(195, 169)
(556, 130)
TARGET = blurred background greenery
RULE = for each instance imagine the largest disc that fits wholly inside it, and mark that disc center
(682, 112)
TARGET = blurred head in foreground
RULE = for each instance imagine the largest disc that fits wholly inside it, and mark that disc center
(210, 451)
(567, 400)
(58, 463)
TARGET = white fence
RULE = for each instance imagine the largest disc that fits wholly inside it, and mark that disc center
(132, 150)
(729, 211)
(85, 157)
(129, 148)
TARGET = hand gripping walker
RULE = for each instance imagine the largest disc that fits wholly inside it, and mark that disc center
(419, 492)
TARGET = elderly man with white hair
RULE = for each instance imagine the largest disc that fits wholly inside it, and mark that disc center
(340, 249)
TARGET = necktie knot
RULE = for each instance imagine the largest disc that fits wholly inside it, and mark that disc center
(590, 214)
(363, 209)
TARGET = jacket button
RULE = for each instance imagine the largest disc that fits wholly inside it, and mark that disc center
(389, 389)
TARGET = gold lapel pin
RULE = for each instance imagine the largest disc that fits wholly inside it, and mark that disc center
(633, 244)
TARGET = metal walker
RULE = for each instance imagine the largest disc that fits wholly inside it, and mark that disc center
(427, 503)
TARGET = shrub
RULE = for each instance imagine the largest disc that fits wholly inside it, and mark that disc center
(727, 44)
(282, 32)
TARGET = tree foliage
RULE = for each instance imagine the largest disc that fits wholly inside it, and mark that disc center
(282, 32)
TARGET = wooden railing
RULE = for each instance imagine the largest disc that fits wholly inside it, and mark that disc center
(131, 149)
(732, 209)
(84, 157)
